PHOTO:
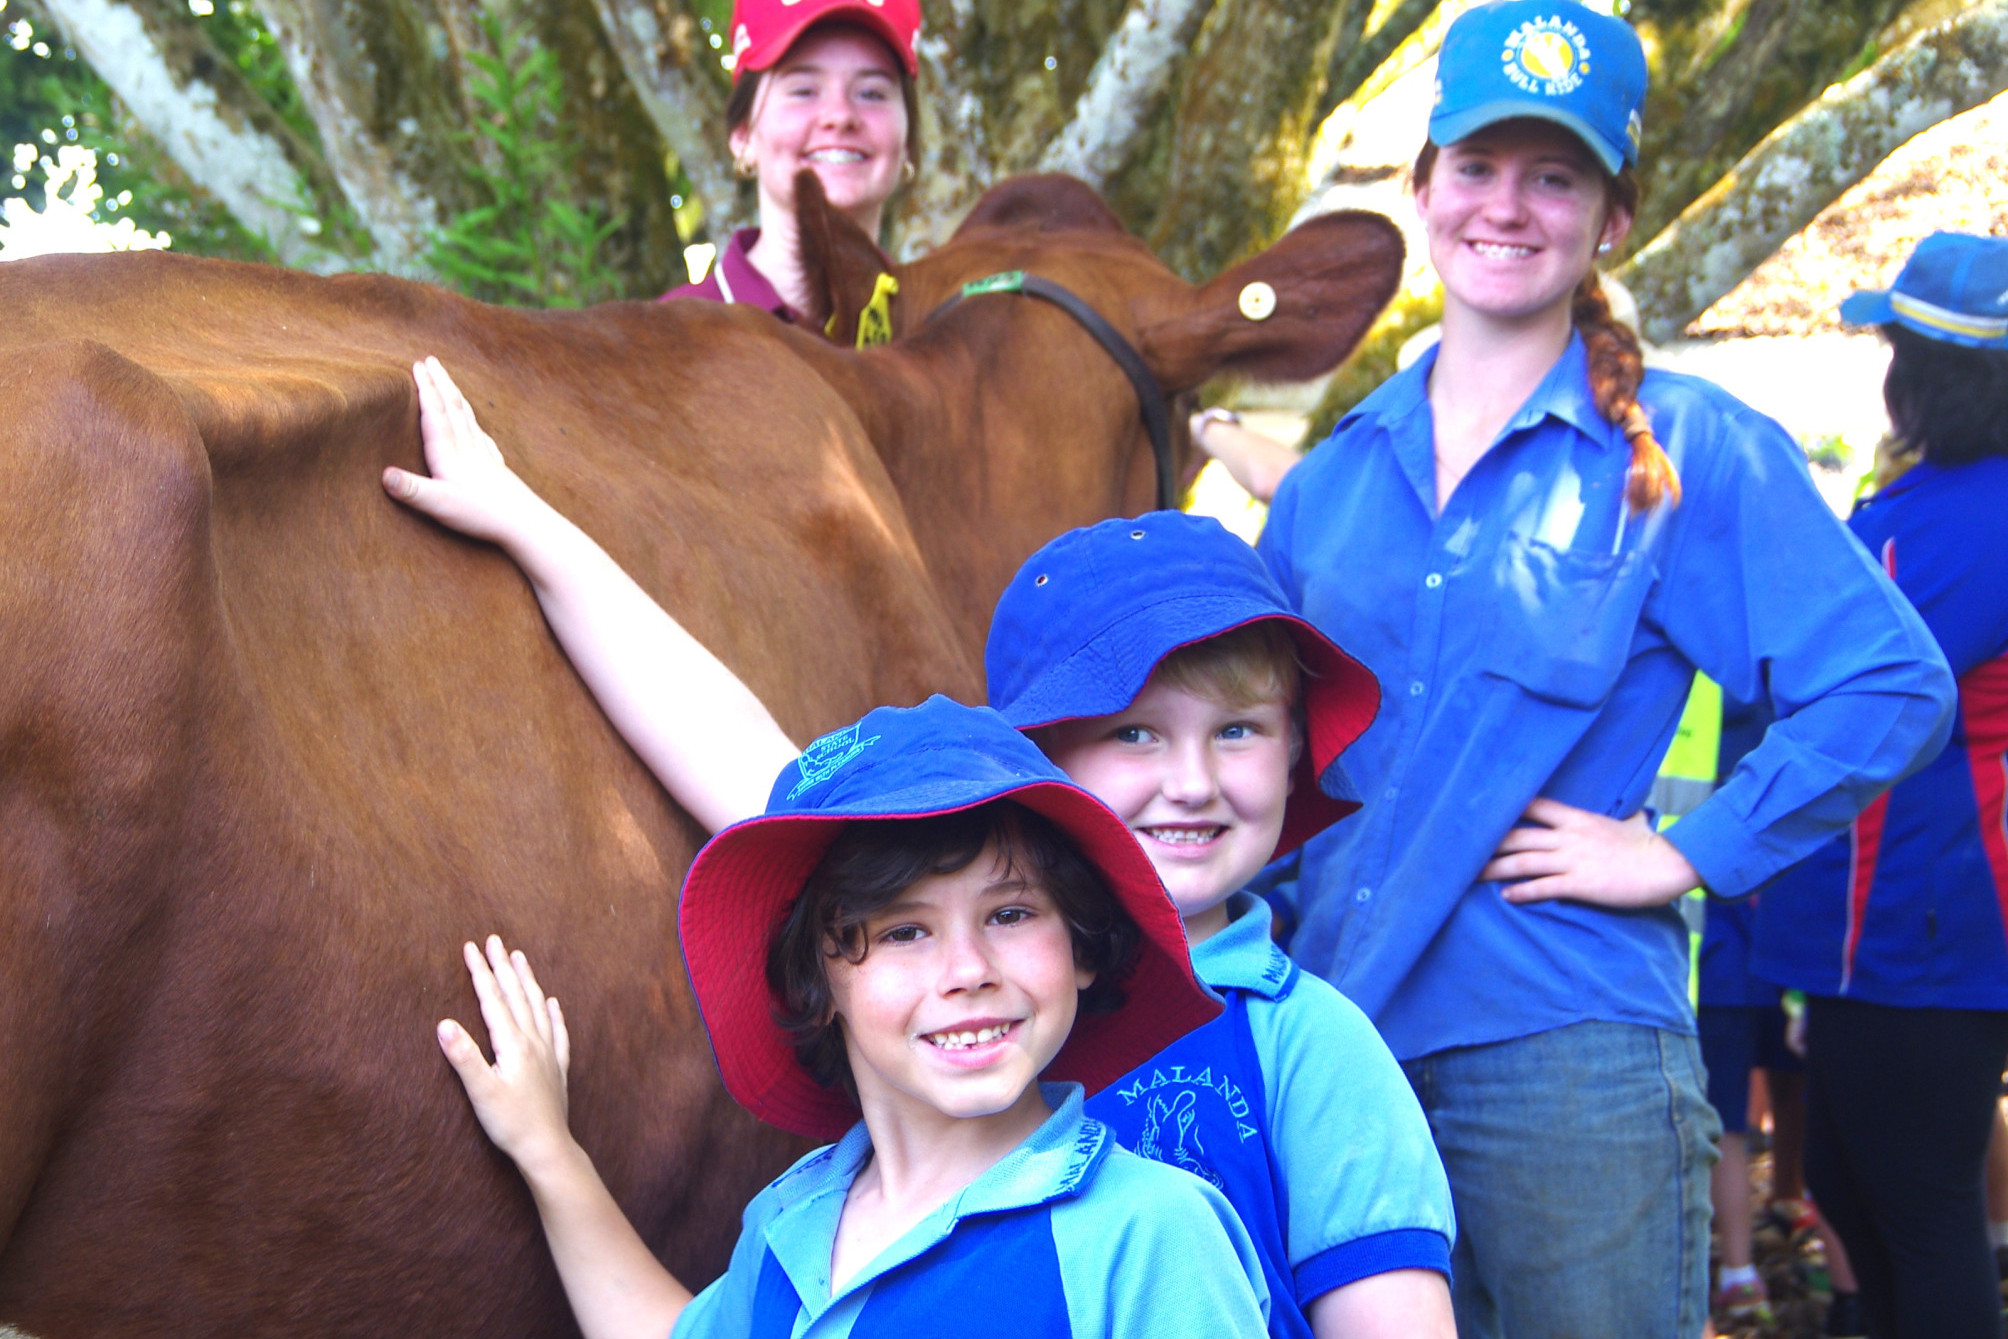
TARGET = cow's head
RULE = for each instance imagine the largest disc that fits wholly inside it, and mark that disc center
(1002, 421)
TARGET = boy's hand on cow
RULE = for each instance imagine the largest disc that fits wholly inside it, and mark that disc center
(472, 489)
(520, 1099)
(1561, 851)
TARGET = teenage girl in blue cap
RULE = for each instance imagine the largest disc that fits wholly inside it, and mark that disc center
(927, 919)
(1534, 545)
(1898, 931)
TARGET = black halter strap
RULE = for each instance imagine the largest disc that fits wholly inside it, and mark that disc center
(1150, 399)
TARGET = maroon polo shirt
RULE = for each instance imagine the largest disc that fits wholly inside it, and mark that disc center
(732, 278)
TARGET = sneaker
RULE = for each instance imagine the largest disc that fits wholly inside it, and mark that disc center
(1791, 1216)
(1742, 1303)
(1845, 1319)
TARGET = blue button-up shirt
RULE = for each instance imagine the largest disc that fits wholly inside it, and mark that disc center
(1537, 638)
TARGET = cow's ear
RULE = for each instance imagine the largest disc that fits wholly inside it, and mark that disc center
(1289, 314)
(1049, 202)
(840, 265)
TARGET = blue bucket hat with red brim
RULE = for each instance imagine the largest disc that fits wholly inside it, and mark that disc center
(1086, 620)
(1954, 287)
(911, 762)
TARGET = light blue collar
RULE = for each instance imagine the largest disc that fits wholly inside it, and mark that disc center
(1055, 1162)
(1243, 956)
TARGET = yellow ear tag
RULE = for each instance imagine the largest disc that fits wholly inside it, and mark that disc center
(875, 321)
(1258, 301)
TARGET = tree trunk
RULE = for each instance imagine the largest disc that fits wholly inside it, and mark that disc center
(1725, 73)
(659, 47)
(200, 111)
(386, 82)
(1241, 130)
(1125, 91)
(1807, 163)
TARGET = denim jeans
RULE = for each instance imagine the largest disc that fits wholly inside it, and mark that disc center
(1578, 1162)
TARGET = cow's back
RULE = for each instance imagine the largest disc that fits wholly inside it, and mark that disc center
(271, 747)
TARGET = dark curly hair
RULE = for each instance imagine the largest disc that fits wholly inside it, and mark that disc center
(1948, 403)
(873, 861)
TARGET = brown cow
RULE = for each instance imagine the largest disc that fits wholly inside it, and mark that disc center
(272, 746)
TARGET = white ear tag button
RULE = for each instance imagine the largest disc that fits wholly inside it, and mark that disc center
(1258, 301)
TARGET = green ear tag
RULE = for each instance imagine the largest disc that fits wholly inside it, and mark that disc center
(875, 321)
(1010, 281)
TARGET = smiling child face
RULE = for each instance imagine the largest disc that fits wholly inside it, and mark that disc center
(967, 990)
(1201, 782)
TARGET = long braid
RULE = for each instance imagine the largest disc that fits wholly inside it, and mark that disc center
(1616, 368)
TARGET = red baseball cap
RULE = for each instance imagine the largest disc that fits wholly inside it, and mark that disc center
(763, 30)
(911, 762)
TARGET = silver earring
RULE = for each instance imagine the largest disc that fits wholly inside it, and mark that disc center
(1603, 247)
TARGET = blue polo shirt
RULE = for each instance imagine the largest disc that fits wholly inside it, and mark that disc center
(1069, 1234)
(1536, 638)
(1910, 906)
(1291, 1105)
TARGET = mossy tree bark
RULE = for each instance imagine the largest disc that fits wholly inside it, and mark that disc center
(1805, 164)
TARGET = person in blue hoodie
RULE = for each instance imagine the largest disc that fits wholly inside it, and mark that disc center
(1897, 931)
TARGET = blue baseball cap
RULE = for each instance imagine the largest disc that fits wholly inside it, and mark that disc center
(1954, 287)
(1088, 617)
(1557, 60)
(910, 762)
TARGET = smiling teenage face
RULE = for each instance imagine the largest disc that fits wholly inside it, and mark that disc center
(967, 989)
(1514, 214)
(833, 103)
(1201, 782)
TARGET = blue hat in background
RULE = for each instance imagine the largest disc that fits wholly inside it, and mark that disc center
(1954, 287)
(910, 762)
(1088, 617)
(1558, 60)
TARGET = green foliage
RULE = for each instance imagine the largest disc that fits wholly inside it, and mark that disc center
(524, 243)
(49, 97)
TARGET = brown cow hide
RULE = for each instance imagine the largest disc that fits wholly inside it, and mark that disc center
(272, 746)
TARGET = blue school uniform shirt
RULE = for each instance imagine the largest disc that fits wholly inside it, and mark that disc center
(1537, 638)
(1069, 1234)
(1910, 906)
(1290, 1104)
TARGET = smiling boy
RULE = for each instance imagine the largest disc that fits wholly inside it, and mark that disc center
(895, 953)
(1157, 664)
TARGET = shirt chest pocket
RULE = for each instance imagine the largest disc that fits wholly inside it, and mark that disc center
(1563, 620)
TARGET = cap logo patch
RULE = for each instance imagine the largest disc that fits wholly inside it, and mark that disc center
(741, 39)
(828, 755)
(1547, 56)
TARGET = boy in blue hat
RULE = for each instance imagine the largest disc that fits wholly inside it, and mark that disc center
(927, 919)
(1157, 663)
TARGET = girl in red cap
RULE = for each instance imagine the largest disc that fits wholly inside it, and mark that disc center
(820, 84)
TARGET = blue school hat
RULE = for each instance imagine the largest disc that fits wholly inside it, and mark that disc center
(1088, 617)
(910, 762)
(1557, 60)
(1954, 287)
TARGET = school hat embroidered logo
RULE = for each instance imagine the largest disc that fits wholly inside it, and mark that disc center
(911, 762)
(1547, 56)
(1556, 60)
(822, 759)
